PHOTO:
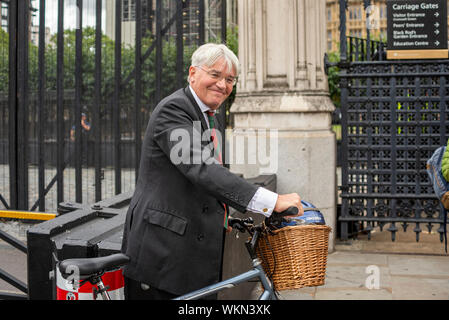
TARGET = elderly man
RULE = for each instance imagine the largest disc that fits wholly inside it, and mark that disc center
(175, 222)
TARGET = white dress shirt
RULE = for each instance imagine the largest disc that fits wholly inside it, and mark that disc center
(264, 200)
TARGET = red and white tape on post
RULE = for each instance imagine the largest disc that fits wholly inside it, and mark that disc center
(66, 290)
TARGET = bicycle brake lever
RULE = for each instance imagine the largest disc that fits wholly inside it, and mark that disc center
(240, 228)
(237, 224)
(277, 218)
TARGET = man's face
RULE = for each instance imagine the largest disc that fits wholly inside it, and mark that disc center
(212, 91)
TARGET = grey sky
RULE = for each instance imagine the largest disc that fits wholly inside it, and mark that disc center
(70, 14)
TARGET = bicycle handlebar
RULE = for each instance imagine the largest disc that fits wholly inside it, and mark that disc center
(240, 224)
(248, 223)
(292, 211)
(278, 217)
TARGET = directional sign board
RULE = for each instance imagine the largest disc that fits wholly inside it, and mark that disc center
(417, 29)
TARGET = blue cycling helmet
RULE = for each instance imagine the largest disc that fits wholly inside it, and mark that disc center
(311, 215)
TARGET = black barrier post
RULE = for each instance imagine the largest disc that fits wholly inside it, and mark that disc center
(79, 231)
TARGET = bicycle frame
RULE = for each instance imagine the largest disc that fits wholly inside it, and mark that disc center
(256, 272)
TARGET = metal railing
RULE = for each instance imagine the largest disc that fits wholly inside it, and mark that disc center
(360, 49)
(115, 75)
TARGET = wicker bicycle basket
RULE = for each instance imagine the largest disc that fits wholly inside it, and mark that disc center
(295, 256)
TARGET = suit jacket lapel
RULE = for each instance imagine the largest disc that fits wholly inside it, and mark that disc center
(197, 108)
(219, 125)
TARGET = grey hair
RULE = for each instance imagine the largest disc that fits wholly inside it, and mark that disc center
(208, 54)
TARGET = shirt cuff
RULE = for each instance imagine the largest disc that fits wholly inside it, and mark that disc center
(263, 202)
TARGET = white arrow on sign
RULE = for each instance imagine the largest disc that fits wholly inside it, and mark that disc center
(436, 24)
(437, 31)
(436, 14)
(437, 43)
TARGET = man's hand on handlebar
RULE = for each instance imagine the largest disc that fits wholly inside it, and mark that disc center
(286, 201)
(287, 206)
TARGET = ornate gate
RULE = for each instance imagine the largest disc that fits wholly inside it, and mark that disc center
(394, 115)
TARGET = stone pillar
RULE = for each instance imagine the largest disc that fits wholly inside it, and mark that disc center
(283, 99)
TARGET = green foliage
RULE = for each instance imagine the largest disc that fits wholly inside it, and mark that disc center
(107, 66)
(334, 79)
(127, 94)
(445, 163)
(232, 41)
(4, 61)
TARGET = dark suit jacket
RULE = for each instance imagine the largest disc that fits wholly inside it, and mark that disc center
(174, 226)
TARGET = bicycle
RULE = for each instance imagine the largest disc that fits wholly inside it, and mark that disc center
(92, 269)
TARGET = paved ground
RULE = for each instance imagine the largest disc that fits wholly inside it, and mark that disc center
(353, 275)
(14, 262)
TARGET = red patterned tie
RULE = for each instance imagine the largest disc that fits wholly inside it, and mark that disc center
(217, 154)
(217, 145)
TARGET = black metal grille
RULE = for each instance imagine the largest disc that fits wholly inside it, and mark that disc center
(394, 116)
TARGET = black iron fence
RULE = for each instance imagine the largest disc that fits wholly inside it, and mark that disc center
(394, 115)
(77, 88)
(361, 49)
